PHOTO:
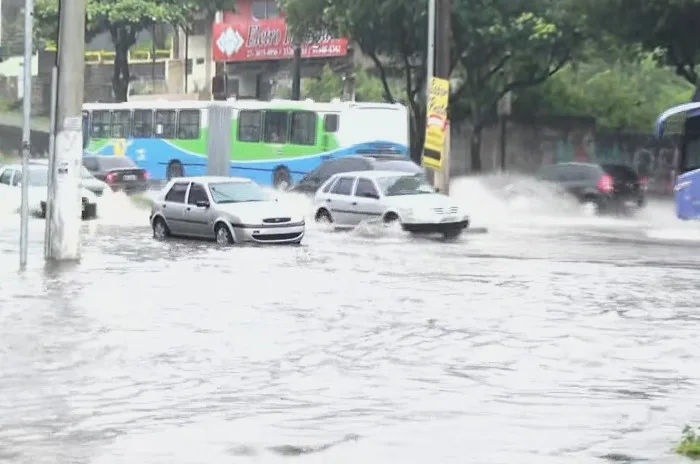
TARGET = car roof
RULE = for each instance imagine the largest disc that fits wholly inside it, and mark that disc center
(19, 166)
(212, 179)
(374, 174)
(577, 163)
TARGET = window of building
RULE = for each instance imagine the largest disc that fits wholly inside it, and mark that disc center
(166, 124)
(121, 124)
(303, 128)
(100, 125)
(249, 126)
(143, 124)
(265, 9)
(188, 125)
(276, 126)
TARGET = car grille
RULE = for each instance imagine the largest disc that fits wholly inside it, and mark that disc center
(278, 220)
(452, 210)
(274, 237)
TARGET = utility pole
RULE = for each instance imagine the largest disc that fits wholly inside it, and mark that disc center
(26, 130)
(443, 63)
(296, 74)
(63, 200)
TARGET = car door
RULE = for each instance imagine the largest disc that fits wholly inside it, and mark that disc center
(198, 212)
(173, 208)
(340, 200)
(366, 201)
(313, 180)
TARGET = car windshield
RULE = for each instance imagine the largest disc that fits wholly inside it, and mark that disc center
(85, 174)
(404, 185)
(38, 176)
(237, 192)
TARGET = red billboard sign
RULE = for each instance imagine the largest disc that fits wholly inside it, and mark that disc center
(261, 40)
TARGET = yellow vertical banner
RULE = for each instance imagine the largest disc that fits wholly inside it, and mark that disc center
(436, 122)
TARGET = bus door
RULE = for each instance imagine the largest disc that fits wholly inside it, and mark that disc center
(687, 188)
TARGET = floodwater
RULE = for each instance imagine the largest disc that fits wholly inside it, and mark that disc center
(554, 338)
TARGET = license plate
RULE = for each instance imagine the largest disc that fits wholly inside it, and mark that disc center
(129, 177)
(630, 204)
(449, 219)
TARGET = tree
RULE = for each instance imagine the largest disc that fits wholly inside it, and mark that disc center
(498, 46)
(667, 28)
(329, 85)
(502, 46)
(123, 19)
(390, 32)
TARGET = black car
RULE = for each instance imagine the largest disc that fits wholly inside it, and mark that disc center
(602, 187)
(313, 180)
(119, 172)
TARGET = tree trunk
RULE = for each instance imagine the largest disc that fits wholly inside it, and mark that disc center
(417, 131)
(475, 148)
(296, 74)
(121, 77)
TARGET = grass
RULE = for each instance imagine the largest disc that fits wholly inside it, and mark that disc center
(690, 443)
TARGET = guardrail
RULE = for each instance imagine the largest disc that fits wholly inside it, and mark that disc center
(135, 56)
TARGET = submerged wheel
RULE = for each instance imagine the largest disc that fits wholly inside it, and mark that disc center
(590, 207)
(160, 229)
(390, 218)
(223, 234)
(175, 169)
(323, 216)
(282, 178)
(452, 232)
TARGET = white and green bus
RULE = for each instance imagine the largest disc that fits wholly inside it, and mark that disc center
(272, 142)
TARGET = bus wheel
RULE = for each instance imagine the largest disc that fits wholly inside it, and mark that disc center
(282, 179)
(175, 169)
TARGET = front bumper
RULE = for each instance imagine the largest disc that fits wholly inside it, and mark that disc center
(434, 227)
(292, 233)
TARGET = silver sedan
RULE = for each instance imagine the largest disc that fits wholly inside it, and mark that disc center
(226, 209)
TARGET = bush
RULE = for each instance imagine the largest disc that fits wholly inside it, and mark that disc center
(690, 443)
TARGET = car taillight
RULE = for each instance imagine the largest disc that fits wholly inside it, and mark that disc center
(643, 183)
(145, 175)
(111, 178)
(606, 184)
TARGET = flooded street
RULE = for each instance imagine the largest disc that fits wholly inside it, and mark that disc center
(550, 339)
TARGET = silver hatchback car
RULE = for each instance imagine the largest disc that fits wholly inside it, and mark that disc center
(226, 209)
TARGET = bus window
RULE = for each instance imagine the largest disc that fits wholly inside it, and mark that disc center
(330, 123)
(249, 126)
(276, 126)
(188, 125)
(121, 123)
(100, 125)
(303, 128)
(690, 155)
(143, 124)
(166, 124)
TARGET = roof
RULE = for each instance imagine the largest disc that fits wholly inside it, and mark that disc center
(375, 174)
(211, 179)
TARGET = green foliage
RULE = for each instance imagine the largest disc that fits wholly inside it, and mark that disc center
(329, 85)
(124, 19)
(689, 445)
(667, 28)
(625, 96)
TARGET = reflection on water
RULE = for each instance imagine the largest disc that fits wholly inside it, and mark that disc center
(544, 341)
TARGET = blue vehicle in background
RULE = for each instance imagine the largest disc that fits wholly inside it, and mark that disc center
(687, 186)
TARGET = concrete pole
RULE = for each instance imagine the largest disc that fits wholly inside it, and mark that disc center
(64, 199)
(430, 55)
(26, 130)
(52, 154)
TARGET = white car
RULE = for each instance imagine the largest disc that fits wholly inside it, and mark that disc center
(87, 179)
(226, 209)
(349, 198)
(11, 176)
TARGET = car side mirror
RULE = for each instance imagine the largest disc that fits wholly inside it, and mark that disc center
(202, 204)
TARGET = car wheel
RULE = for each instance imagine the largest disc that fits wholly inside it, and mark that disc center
(590, 207)
(452, 233)
(175, 169)
(282, 179)
(223, 235)
(160, 229)
(390, 218)
(323, 216)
